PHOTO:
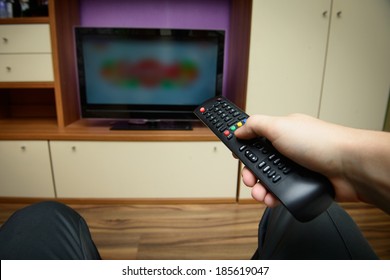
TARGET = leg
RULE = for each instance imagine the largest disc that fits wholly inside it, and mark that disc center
(333, 235)
(46, 230)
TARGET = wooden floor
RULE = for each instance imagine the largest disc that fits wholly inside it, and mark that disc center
(202, 231)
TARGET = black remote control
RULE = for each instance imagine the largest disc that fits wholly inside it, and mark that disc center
(306, 194)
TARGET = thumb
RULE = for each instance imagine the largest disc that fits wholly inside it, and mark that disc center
(255, 126)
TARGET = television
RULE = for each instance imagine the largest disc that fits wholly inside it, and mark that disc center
(147, 78)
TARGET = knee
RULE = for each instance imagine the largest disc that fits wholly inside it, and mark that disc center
(48, 206)
(47, 210)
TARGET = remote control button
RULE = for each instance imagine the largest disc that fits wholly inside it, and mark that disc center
(271, 173)
(276, 178)
(261, 164)
(227, 119)
(202, 110)
(239, 124)
(242, 148)
(252, 157)
(226, 133)
(233, 128)
(266, 169)
(231, 122)
(286, 170)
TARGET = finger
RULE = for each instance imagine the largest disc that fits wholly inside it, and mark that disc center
(248, 177)
(261, 194)
(256, 125)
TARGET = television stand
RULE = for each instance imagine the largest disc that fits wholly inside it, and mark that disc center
(152, 125)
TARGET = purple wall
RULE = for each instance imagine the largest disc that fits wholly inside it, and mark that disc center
(213, 14)
(201, 14)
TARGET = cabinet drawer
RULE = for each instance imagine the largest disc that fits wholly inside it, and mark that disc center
(25, 38)
(26, 67)
(25, 169)
(150, 170)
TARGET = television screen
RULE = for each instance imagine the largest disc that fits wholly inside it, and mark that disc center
(147, 73)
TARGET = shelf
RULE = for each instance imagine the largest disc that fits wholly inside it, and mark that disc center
(27, 129)
(26, 85)
(24, 20)
(93, 130)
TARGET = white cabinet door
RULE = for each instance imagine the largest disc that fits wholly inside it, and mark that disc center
(328, 59)
(25, 38)
(25, 169)
(25, 53)
(287, 54)
(357, 77)
(148, 170)
(26, 68)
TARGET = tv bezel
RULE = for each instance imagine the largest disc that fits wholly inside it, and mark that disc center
(145, 112)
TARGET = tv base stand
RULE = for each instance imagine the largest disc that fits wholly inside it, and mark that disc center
(152, 125)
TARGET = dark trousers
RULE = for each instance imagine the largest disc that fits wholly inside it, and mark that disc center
(50, 230)
(46, 230)
(333, 236)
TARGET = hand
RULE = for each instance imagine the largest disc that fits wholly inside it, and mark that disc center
(313, 143)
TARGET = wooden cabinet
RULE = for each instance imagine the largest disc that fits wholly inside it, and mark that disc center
(25, 169)
(59, 95)
(154, 164)
(287, 54)
(326, 58)
(27, 92)
(357, 76)
(144, 170)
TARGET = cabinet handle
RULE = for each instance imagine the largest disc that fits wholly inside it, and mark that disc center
(8, 68)
(5, 40)
(339, 14)
(23, 148)
(74, 148)
(325, 13)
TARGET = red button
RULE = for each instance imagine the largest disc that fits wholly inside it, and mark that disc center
(226, 132)
(202, 110)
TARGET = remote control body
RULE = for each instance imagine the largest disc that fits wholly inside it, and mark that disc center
(306, 194)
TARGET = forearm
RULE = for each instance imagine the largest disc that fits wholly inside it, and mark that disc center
(366, 165)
